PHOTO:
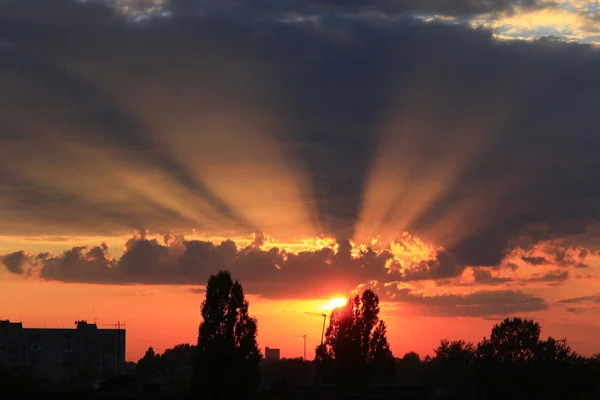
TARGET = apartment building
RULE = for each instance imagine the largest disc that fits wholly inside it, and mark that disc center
(63, 353)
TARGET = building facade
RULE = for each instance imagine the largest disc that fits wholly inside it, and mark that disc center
(272, 354)
(63, 353)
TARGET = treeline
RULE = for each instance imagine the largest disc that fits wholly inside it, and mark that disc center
(514, 361)
(173, 366)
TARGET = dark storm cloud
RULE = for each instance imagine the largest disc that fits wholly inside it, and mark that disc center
(273, 273)
(485, 277)
(15, 262)
(269, 8)
(78, 70)
(443, 266)
(535, 260)
(476, 304)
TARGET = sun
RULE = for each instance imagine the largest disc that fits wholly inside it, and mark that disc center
(336, 302)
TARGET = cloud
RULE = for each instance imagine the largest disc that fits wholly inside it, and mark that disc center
(444, 265)
(509, 19)
(476, 304)
(269, 272)
(581, 305)
(552, 277)
(281, 8)
(485, 277)
(272, 273)
(211, 123)
(535, 260)
(551, 253)
(583, 299)
(15, 262)
(560, 20)
(269, 268)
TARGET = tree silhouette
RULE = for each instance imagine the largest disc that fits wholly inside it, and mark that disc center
(179, 356)
(412, 357)
(552, 350)
(453, 360)
(175, 365)
(511, 340)
(148, 366)
(410, 368)
(515, 356)
(513, 363)
(227, 357)
(356, 348)
(455, 351)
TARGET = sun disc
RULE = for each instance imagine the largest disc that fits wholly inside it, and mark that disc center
(336, 302)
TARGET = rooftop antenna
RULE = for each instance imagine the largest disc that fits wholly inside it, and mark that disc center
(324, 318)
(94, 312)
(303, 337)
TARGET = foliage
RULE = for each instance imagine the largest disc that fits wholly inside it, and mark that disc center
(512, 340)
(174, 364)
(455, 351)
(227, 359)
(554, 350)
(515, 356)
(412, 357)
(148, 366)
(177, 359)
(409, 369)
(453, 360)
(356, 350)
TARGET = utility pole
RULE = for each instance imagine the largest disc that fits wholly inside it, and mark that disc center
(303, 337)
(118, 325)
(324, 318)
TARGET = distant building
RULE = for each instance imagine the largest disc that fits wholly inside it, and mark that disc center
(272, 354)
(63, 353)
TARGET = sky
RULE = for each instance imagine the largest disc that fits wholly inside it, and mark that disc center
(442, 153)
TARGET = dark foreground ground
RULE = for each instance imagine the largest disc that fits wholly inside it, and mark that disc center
(285, 392)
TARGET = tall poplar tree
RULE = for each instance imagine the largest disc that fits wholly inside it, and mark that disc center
(356, 350)
(228, 357)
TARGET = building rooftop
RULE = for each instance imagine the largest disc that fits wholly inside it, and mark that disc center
(80, 325)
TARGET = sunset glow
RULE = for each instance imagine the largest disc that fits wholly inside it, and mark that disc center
(336, 302)
(313, 150)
